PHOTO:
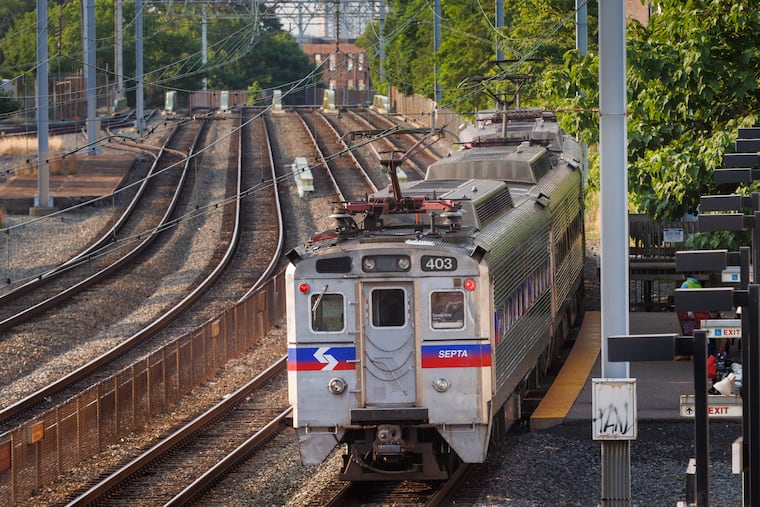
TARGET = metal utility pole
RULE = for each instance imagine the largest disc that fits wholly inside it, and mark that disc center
(119, 57)
(616, 454)
(499, 26)
(90, 75)
(382, 42)
(204, 44)
(139, 67)
(581, 44)
(43, 168)
(436, 47)
(581, 27)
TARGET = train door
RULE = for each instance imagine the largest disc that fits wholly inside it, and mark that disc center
(388, 359)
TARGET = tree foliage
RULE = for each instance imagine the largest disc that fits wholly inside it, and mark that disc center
(535, 35)
(9, 11)
(8, 104)
(692, 82)
(241, 50)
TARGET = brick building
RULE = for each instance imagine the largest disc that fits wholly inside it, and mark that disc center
(636, 9)
(345, 66)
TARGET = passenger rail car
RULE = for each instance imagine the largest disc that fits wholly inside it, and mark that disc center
(416, 323)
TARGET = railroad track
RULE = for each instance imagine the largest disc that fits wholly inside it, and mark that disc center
(363, 151)
(67, 378)
(33, 297)
(180, 466)
(399, 143)
(124, 119)
(232, 277)
(351, 182)
(410, 493)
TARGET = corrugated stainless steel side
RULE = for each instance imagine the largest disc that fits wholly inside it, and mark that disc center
(520, 349)
(567, 218)
(512, 257)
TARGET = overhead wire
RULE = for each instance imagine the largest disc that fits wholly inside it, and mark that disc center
(298, 86)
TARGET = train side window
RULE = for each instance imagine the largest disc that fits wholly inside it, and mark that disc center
(447, 309)
(327, 312)
(388, 308)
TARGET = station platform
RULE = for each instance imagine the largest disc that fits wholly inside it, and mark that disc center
(659, 384)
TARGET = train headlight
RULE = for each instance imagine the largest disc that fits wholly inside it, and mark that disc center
(469, 284)
(303, 288)
(404, 263)
(441, 384)
(336, 385)
(368, 263)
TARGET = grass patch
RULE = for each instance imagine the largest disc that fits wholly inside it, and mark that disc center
(24, 146)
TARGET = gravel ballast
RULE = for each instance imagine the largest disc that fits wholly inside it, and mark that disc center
(560, 466)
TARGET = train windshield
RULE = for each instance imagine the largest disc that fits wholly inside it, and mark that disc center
(388, 308)
(327, 312)
(447, 310)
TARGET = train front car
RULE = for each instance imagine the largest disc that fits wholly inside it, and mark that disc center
(388, 346)
(412, 325)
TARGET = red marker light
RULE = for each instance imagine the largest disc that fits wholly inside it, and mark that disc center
(469, 284)
(304, 288)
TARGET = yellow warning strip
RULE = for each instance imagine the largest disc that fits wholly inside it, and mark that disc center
(572, 377)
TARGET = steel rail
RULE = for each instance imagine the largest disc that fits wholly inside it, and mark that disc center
(104, 240)
(48, 303)
(178, 437)
(347, 149)
(233, 459)
(321, 156)
(39, 396)
(267, 274)
(418, 168)
(330, 169)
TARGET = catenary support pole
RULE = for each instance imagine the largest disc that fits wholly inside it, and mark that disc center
(436, 65)
(119, 50)
(204, 43)
(616, 454)
(90, 74)
(43, 122)
(499, 28)
(139, 100)
(581, 44)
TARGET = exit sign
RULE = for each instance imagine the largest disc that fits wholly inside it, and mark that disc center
(718, 406)
(722, 328)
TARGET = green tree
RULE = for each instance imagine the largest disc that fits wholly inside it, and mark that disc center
(241, 49)
(19, 47)
(535, 35)
(692, 81)
(9, 11)
(8, 104)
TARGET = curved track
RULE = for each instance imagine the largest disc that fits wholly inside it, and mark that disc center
(233, 288)
(255, 191)
(117, 120)
(146, 215)
(349, 178)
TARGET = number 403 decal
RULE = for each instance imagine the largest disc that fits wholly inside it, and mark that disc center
(438, 263)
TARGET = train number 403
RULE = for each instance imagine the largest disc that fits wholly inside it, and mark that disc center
(437, 263)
